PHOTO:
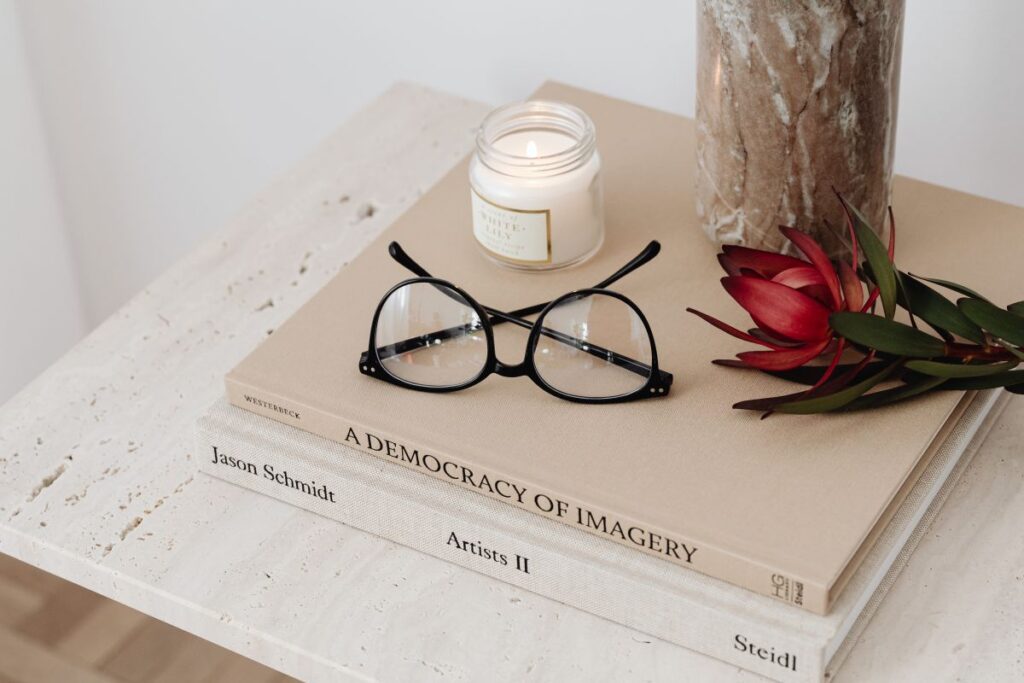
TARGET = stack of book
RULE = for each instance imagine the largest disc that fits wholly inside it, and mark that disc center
(767, 544)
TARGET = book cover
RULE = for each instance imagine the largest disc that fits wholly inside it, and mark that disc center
(572, 567)
(782, 507)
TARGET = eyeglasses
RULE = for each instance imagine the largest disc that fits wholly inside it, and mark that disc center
(589, 346)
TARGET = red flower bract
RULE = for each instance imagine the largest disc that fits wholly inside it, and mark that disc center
(780, 310)
(789, 299)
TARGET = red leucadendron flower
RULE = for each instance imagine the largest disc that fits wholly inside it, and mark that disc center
(790, 300)
(811, 307)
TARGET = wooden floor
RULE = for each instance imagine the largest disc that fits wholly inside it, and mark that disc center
(53, 630)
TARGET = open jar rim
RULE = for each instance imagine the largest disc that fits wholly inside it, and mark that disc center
(536, 115)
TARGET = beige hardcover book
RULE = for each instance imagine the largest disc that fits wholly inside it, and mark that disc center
(785, 507)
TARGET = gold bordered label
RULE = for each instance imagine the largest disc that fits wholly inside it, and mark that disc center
(514, 235)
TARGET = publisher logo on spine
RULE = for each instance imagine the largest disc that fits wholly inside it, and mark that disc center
(787, 589)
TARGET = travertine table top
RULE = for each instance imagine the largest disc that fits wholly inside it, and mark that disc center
(97, 480)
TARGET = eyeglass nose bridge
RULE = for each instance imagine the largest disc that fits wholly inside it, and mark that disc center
(517, 370)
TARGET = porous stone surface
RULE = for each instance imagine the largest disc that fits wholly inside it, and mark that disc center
(793, 99)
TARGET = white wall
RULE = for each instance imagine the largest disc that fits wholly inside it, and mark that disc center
(40, 311)
(962, 96)
(164, 117)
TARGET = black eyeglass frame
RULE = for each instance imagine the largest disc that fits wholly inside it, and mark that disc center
(657, 384)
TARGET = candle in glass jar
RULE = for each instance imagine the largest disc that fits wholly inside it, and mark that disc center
(536, 186)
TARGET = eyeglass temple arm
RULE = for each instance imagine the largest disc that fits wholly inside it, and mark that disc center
(652, 249)
(406, 261)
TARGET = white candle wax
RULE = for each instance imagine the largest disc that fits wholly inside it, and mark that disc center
(537, 195)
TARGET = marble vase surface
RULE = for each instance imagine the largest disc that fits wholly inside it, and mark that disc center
(793, 99)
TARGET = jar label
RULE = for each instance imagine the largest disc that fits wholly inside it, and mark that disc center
(514, 235)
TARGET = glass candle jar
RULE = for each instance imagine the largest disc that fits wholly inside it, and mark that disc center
(536, 186)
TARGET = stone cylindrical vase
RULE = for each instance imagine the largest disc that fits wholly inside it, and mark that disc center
(793, 99)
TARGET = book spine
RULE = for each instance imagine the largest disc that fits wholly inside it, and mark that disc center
(379, 499)
(703, 557)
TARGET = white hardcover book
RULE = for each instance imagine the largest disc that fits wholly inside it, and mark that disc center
(574, 567)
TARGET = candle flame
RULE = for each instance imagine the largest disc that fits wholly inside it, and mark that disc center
(531, 149)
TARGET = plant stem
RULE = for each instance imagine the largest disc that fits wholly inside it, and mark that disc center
(970, 352)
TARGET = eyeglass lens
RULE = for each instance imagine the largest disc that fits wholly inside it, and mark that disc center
(593, 346)
(428, 334)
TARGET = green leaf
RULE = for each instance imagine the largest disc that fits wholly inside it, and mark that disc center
(805, 374)
(834, 401)
(768, 403)
(937, 310)
(951, 370)
(889, 396)
(1017, 308)
(953, 286)
(1003, 324)
(810, 374)
(882, 270)
(843, 377)
(887, 336)
(903, 298)
(1006, 379)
